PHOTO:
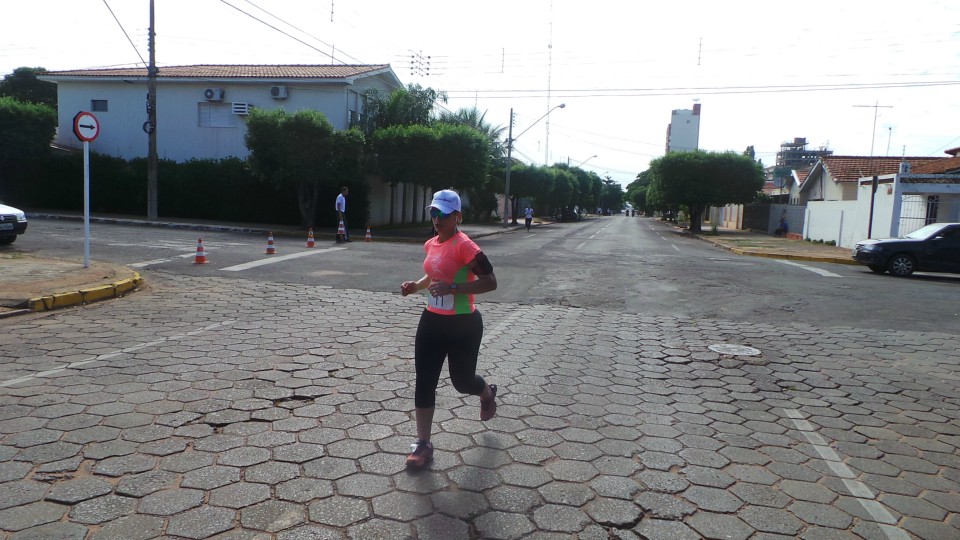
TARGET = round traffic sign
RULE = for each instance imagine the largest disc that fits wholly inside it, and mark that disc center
(86, 126)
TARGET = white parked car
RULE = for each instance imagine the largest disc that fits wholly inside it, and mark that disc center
(12, 223)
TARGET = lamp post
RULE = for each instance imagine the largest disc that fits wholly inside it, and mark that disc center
(507, 207)
(580, 163)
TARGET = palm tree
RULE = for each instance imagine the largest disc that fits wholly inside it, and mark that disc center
(483, 200)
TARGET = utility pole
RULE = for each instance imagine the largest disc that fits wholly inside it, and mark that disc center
(506, 187)
(876, 106)
(151, 126)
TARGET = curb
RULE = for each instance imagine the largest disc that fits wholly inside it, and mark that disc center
(788, 256)
(116, 289)
(777, 255)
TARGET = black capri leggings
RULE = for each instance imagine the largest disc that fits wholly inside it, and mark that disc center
(455, 336)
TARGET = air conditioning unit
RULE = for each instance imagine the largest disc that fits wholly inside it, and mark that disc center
(278, 92)
(213, 94)
(241, 108)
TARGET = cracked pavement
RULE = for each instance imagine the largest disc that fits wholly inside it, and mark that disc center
(213, 408)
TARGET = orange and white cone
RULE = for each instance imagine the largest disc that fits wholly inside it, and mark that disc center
(310, 241)
(368, 238)
(342, 231)
(201, 257)
(270, 249)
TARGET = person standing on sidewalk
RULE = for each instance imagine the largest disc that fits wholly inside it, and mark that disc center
(450, 327)
(341, 207)
(528, 217)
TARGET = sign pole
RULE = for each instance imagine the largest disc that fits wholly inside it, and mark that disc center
(86, 204)
(86, 127)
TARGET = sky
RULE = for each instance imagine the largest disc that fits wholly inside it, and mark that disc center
(857, 77)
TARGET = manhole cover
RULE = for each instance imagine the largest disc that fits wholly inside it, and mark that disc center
(734, 350)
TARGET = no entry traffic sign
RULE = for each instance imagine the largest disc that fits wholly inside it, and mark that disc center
(85, 126)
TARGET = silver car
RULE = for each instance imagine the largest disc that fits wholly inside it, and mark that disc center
(13, 222)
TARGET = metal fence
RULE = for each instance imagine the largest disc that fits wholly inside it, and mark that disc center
(917, 210)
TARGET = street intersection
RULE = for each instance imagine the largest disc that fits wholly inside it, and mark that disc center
(207, 407)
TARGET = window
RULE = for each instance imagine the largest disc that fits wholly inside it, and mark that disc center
(215, 115)
(98, 105)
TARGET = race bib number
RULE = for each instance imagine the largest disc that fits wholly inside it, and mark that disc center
(444, 302)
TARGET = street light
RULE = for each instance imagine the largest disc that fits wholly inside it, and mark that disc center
(581, 163)
(507, 207)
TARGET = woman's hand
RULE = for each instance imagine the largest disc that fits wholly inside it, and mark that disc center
(439, 288)
(408, 287)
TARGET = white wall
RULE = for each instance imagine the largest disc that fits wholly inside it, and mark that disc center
(833, 220)
(179, 136)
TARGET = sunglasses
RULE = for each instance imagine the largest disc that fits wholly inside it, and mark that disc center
(437, 214)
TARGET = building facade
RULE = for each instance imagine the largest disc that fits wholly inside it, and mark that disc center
(683, 132)
(200, 109)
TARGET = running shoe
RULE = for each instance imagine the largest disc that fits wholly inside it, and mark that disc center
(488, 407)
(421, 453)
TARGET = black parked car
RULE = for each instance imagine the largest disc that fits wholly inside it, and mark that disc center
(934, 248)
(567, 214)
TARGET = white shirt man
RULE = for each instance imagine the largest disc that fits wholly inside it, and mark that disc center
(341, 207)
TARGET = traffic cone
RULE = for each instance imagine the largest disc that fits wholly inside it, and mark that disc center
(201, 257)
(270, 249)
(368, 238)
(341, 232)
(310, 241)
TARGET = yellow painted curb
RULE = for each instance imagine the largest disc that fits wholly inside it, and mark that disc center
(86, 296)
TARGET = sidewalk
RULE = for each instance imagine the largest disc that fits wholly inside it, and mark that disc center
(763, 245)
(29, 283)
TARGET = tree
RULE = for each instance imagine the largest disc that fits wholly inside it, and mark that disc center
(408, 106)
(698, 179)
(26, 130)
(432, 157)
(483, 199)
(23, 85)
(611, 194)
(300, 152)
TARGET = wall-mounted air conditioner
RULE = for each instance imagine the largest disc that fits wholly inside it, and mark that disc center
(278, 92)
(241, 108)
(213, 94)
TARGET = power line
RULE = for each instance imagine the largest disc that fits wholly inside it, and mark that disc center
(122, 29)
(332, 59)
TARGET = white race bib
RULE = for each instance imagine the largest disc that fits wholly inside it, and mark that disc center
(444, 302)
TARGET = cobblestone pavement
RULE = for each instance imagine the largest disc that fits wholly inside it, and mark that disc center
(209, 408)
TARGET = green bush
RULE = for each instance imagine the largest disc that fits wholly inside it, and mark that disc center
(222, 190)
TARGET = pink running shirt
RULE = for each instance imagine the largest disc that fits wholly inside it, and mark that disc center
(449, 262)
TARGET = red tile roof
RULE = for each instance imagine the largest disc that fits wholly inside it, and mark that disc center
(940, 166)
(335, 71)
(852, 168)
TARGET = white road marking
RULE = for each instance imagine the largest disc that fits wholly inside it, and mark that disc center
(858, 489)
(161, 261)
(272, 260)
(107, 356)
(674, 247)
(824, 273)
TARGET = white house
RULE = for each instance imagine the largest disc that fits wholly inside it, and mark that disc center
(834, 178)
(200, 108)
(918, 192)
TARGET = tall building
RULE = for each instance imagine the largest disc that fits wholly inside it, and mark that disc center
(683, 133)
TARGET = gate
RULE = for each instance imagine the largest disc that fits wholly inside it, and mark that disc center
(917, 210)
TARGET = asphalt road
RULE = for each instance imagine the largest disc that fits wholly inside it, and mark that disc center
(630, 265)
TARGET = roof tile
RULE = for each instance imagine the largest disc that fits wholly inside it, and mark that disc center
(939, 166)
(334, 71)
(852, 168)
